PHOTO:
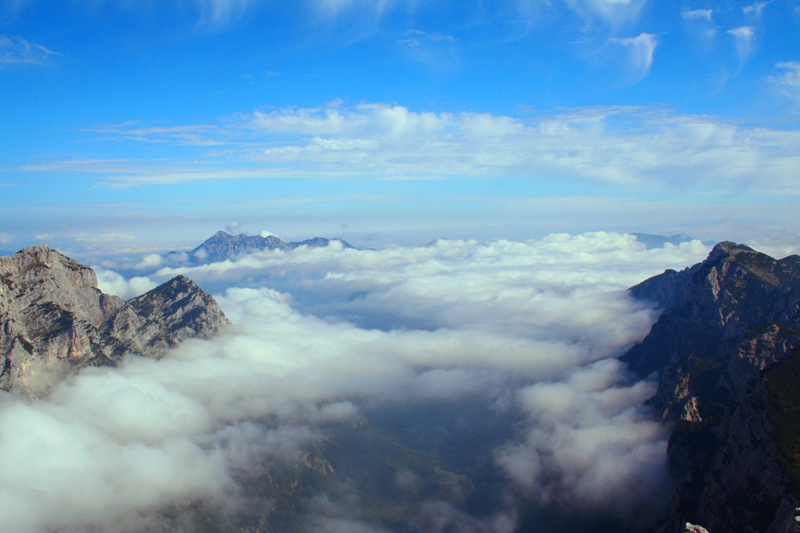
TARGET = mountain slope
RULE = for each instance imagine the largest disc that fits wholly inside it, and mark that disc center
(54, 319)
(728, 324)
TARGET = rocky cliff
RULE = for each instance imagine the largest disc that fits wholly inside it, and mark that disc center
(54, 319)
(729, 331)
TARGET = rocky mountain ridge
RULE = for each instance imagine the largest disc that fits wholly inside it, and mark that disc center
(54, 319)
(222, 246)
(728, 324)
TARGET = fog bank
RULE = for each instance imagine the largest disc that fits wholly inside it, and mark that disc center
(317, 334)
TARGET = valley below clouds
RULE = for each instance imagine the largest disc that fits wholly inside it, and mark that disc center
(330, 337)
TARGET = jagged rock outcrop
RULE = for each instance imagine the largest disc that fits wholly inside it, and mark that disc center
(728, 324)
(222, 246)
(710, 306)
(54, 319)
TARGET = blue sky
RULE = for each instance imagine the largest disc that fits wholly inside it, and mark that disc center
(131, 127)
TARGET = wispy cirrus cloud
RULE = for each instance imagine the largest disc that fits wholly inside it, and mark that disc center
(217, 14)
(788, 83)
(432, 49)
(414, 38)
(700, 22)
(16, 51)
(639, 51)
(372, 10)
(220, 15)
(755, 10)
(744, 37)
(194, 135)
(695, 14)
(615, 13)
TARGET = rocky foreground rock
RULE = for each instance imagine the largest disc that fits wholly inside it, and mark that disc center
(54, 319)
(727, 350)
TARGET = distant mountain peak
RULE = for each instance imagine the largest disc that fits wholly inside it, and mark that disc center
(224, 246)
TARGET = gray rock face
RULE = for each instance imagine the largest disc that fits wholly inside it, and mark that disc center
(709, 307)
(727, 323)
(54, 319)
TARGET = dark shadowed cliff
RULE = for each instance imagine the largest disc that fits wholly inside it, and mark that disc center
(726, 350)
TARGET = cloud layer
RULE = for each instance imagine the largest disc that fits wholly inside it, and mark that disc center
(613, 146)
(534, 325)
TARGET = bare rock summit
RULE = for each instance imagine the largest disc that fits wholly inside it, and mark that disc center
(54, 319)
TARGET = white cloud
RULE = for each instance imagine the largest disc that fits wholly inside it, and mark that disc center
(336, 7)
(216, 14)
(613, 145)
(788, 83)
(68, 472)
(756, 9)
(111, 282)
(15, 50)
(350, 21)
(101, 238)
(744, 36)
(590, 442)
(151, 261)
(703, 14)
(700, 22)
(616, 13)
(534, 321)
(6, 238)
(433, 49)
(640, 53)
(220, 15)
(177, 257)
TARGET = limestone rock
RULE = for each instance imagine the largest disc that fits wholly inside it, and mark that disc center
(54, 319)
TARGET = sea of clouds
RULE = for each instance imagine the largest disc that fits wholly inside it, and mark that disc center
(318, 333)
